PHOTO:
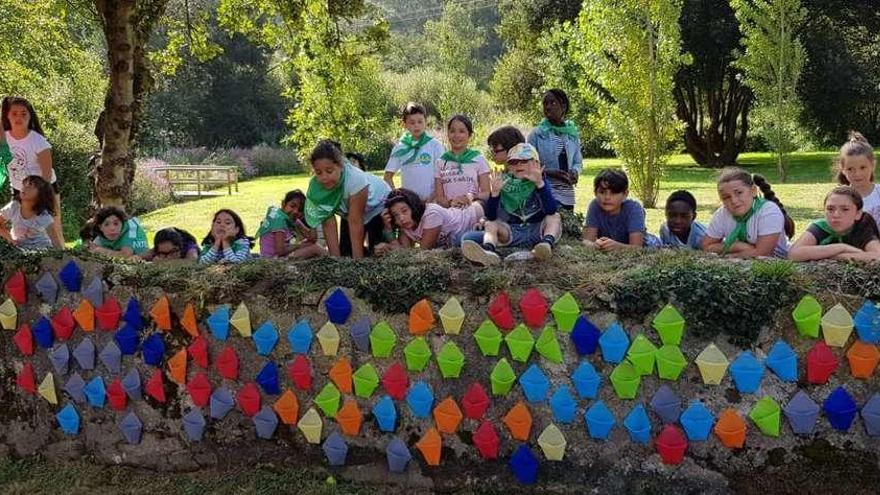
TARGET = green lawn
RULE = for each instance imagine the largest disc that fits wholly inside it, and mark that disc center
(810, 178)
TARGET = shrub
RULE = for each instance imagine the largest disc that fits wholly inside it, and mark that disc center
(149, 190)
(270, 160)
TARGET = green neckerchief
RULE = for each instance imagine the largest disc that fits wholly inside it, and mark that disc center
(407, 145)
(466, 156)
(5, 159)
(567, 128)
(515, 192)
(275, 220)
(322, 203)
(739, 233)
(832, 237)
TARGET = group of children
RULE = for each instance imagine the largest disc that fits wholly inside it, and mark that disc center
(453, 198)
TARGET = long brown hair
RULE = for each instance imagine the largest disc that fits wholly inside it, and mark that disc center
(731, 174)
(856, 145)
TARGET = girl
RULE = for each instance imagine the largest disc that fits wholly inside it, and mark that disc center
(172, 244)
(117, 235)
(430, 225)
(227, 240)
(461, 174)
(31, 153)
(846, 233)
(855, 167)
(358, 196)
(681, 229)
(30, 215)
(747, 225)
(559, 147)
(279, 227)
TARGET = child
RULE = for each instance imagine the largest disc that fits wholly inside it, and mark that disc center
(430, 225)
(414, 155)
(170, 244)
(30, 215)
(501, 140)
(846, 232)
(855, 167)
(116, 234)
(227, 241)
(357, 196)
(747, 225)
(520, 212)
(461, 175)
(357, 160)
(278, 227)
(559, 146)
(681, 229)
(613, 220)
(31, 153)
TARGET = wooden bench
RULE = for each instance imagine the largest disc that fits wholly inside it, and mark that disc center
(207, 179)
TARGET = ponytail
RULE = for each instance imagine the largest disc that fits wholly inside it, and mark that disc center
(770, 195)
(856, 145)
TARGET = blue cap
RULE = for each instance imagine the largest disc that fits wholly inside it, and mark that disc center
(385, 414)
(586, 381)
(127, 339)
(47, 288)
(132, 314)
(335, 449)
(338, 307)
(43, 334)
(420, 399)
(131, 427)
(867, 322)
(600, 420)
(638, 424)
(265, 338)
(94, 292)
(60, 357)
(562, 405)
(194, 425)
(218, 322)
(68, 419)
(535, 384)
(153, 350)
(95, 392)
(666, 404)
(71, 276)
(74, 388)
(267, 378)
(585, 336)
(802, 413)
(131, 383)
(397, 455)
(524, 465)
(84, 354)
(111, 356)
(783, 361)
(265, 423)
(221, 402)
(360, 334)
(697, 421)
(300, 337)
(871, 415)
(747, 373)
(614, 343)
(840, 408)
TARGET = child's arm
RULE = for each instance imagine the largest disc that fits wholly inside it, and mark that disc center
(357, 205)
(331, 236)
(4, 230)
(636, 240)
(483, 183)
(763, 247)
(243, 253)
(389, 178)
(806, 249)
(429, 238)
(44, 158)
(591, 234)
(54, 237)
(124, 252)
(439, 194)
(282, 248)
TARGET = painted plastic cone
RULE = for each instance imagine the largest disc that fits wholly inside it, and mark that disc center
(26, 379)
(871, 415)
(132, 428)
(837, 326)
(221, 403)
(95, 392)
(767, 416)
(155, 387)
(502, 377)
(199, 389)
(300, 337)
(863, 359)
(562, 405)
(486, 441)
(431, 445)
(712, 364)
(867, 322)
(420, 400)
(287, 408)
(475, 401)
(586, 380)
(365, 379)
(8, 314)
(382, 340)
(153, 349)
(666, 404)
(108, 314)
(94, 292)
(671, 445)
(85, 316)
(198, 351)
(565, 312)
(782, 361)
(552, 443)
(24, 340)
(395, 381)
(840, 409)
(63, 324)
(75, 387)
(421, 317)
(417, 354)
(311, 425)
(188, 321)
(600, 420)
(585, 336)
(116, 395)
(452, 316)
(60, 359)
(47, 288)
(802, 413)
(68, 420)
(447, 415)
(670, 325)
(338, 307)
(128, 339)
(488, 338)
(614, 343)
(731, 429)
(360, 334)
(43, 333)
(519, 421)
(71, 276)
(241, 320)
(625, 380)
(638, 425)
(349, 418)
(177, 367)
(520, 343)
(386, 414)
(641, 355)
(535, 384)
(131, 382)
(450, 360)
(821, 363)
(265, 338)
(132, 314)
(268, 379)
(747, 373)
(547, 345)
(524, 465)
(697, 421)
(218, 322)
(328, 337)
(340, 374)
(533, 307)
(807, 316)
(194, 425)
(16, 289)
(300, 372)
(161, 314)
(670, 362)
(500, 312)
(248, 399)
(227, 363)
(397, 455)
(111, 357)
(47, 389)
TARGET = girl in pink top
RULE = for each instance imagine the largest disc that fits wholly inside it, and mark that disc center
(461, 175)
(427, 224)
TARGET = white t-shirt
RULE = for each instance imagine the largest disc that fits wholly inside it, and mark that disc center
(417, 175)
(24, 157)
(871, 204)
(768, 220)
(29, 233)
(460, 182)
(453, 223)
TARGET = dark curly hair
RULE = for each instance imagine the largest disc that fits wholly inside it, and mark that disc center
(409, 198)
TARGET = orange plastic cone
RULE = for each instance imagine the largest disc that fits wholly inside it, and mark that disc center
(447, 415)
(85, 316)
(430, 445)
(731, 429)
(340, 373)
(177, 367)
(189, 322)
(863, 359)
(421, 318)
(161, 314)
(519, 422)
(287, 408)
(349, 418)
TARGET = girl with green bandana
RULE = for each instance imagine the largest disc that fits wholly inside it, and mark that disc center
(116, 234)
(282, 226)
(414, 155)
(461, 175)
(846, 232)
(747, 225)
(559, 147)
(339, 188)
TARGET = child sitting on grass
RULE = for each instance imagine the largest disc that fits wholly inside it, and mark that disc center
(117, 235)
(613, 220)
(30, 215)
(227, 241)
(681, 229)
(846, 232)
(430, 225)
(281, 225)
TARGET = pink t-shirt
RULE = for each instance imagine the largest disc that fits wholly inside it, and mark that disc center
(453, 223)
(457, 182)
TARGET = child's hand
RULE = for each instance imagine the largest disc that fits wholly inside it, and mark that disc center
(496, 182)
(606, 244)
(386, 219)
(589, 244)
(461, 202)
(573, 177)
(534, 174)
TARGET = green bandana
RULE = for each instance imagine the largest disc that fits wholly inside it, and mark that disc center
(466, 156)
(407, 145)
(833, 237)
(568, 128)
(5, 159)
(275, 220)
(515, 192)
(322, 203)
(739, 233)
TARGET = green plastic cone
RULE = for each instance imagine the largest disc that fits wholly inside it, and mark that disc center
(451, 360)
(548, 346)
(766, 414)
(670, 325)
(417, 354)
(807, 316)
(565, 312)
(670, 362)
(502, 377)
(626, 380)
(328, 400)
(488, 338)
(641, 354)
(520, 343)
(382, 340)
(365, 381)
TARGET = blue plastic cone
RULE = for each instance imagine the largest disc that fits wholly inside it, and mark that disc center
(194, 425)
(638, 424)
(585, 336)
(782, 361)
(385, 414)
(697, 421)
(586, 381)
(562, 405)
(802, 413)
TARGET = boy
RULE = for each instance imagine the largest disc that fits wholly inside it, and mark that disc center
(414, 154)
(681, 229)
(502, 140)
(614, 221)
(520, 212)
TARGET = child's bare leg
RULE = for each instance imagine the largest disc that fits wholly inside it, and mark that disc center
(309, 250)
(552, 226)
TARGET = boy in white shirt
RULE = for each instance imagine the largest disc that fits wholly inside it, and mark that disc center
(414, 154)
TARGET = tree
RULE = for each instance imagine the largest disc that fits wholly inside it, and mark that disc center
(710, 96)
(632, 51)
(454, 42)
(772, 63)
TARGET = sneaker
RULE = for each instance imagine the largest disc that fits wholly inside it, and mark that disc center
(519, 256)
(543, 251)
(474, 252)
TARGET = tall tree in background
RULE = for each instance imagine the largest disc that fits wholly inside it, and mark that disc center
(711, 99)
(632, 49)
(453, 42)
(772, 62)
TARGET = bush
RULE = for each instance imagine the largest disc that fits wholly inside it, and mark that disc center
(269, 160)
(261, 160)
(149, 190)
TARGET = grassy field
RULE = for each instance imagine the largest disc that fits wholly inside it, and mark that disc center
(810, 178)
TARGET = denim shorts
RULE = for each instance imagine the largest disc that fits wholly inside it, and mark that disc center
(522, 235)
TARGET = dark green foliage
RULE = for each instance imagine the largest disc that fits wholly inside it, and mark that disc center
(572, 224)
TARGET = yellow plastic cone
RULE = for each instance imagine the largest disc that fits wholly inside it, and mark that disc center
(452, 316)
(241, 320)
(310, 425)
(837, 325)
(328, 337)
(8, 314)
(713, 365)
(552, 442)
(47, 389)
